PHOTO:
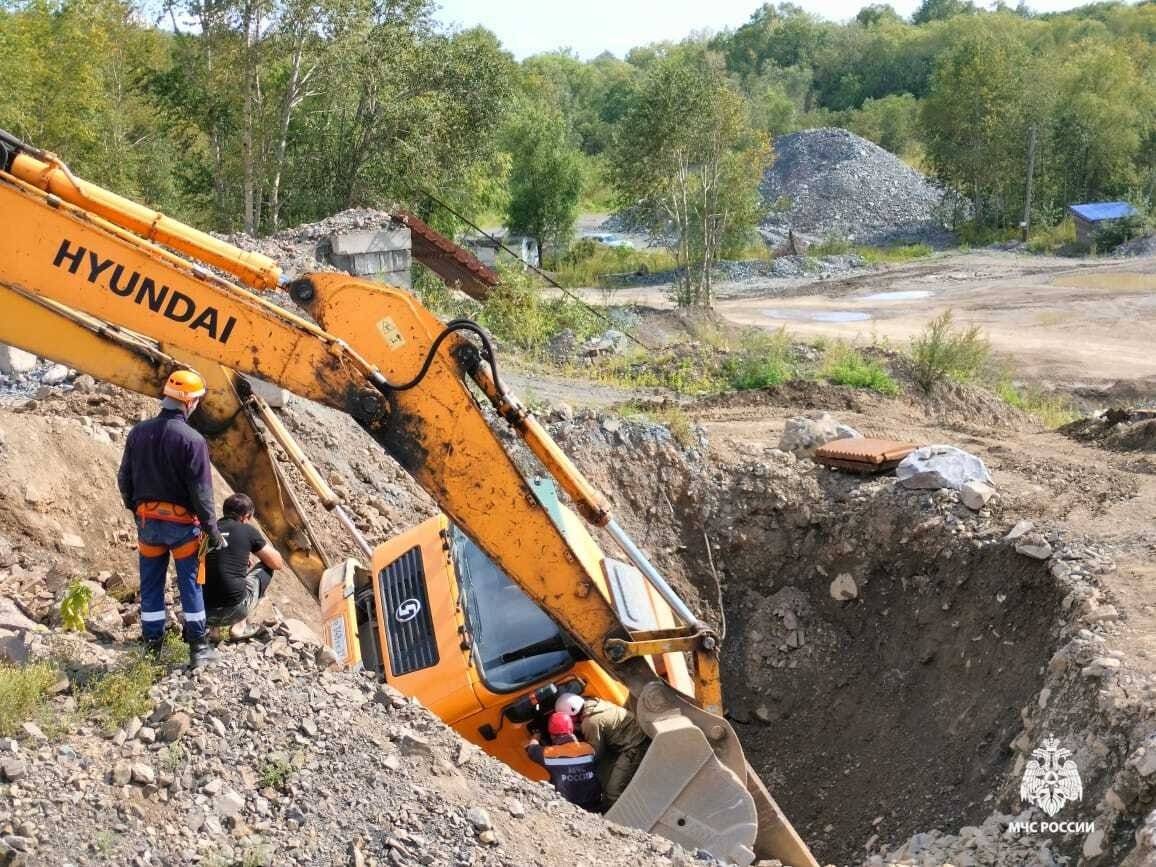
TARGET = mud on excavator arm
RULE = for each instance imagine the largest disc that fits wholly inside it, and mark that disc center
(402, 374)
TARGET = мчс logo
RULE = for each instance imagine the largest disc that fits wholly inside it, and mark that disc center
(1051, 778)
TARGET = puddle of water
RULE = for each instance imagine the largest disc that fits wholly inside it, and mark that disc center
(905, 295)
(1123, 282)
(817, 315)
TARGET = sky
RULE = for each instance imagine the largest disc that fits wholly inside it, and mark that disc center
(590, 27)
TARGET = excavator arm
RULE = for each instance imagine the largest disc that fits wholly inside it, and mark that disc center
(406, 378)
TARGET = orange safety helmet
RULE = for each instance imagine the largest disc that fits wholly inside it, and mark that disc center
(185, 386)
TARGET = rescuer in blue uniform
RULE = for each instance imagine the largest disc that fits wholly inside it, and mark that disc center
(166, 479)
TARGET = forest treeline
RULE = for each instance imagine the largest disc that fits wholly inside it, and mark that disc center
(258, 114)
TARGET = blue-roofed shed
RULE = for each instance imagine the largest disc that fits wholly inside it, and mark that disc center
(1092, 217)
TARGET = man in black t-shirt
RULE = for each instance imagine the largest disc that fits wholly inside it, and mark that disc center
(233, 589)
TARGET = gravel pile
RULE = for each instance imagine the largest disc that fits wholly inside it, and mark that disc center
(830, 182)
(297, 250)
(271, 758)
(1142, 246)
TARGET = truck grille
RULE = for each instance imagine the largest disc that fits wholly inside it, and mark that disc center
(408, 620)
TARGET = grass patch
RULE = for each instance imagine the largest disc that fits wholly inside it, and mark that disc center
(673, 418)
(763, 359)
(116, 696)
(944, 352)
(838, 246)
(24, 693)
(274, 773)
(1052, 410)
(975, 235)
(1053, 239)
(588, 262)
(893, 255)
(174, 757)
(832, 245)
(843, 364)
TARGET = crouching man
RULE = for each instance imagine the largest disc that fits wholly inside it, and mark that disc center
(232, 588)
(569, 762)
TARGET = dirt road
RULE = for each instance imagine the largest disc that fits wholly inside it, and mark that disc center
(1060, 321)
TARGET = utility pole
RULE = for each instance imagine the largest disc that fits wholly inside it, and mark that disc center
(1026, 224)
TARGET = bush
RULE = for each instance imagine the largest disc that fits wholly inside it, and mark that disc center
(516, 312)
(1053, 239)
(1117, 232)
(23, 693)
(275, 773)
(587, 262)
(762, 360)
(845, 365)
(74, 606)
(945, 352)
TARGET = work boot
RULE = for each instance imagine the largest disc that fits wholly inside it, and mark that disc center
(153, 646)
(201, 653)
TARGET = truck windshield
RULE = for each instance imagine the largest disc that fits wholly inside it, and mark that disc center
(514, 642)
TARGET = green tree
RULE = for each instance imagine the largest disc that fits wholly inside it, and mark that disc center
(976, 117)
(687, 158)
(877, 13)
(891, 122)
(545, 175)
(941, 10)
(1102, 114)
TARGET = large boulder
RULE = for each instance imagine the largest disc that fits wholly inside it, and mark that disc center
(610, 342)
(13, 360)
(933, 467)
(805, 433)
(12, 618)
(273, 395)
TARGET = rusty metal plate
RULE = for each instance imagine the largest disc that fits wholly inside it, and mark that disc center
(868, 455)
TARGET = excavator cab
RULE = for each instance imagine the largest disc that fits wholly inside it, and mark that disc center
(438, 619)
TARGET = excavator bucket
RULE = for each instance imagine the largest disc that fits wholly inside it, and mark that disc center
(694, 786)
(682, 792)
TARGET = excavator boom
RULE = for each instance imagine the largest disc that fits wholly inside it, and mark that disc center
(379, 355)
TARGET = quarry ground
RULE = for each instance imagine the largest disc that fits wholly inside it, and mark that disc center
(1061, 321)
(912, 707)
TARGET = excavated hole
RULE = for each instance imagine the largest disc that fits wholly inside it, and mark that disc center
(890, 713)
(899, 704)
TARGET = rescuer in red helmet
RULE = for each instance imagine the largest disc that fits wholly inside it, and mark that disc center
(570, 763)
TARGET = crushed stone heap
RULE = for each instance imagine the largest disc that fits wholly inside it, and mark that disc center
(269, 758)
(296, 249)
(832, 183)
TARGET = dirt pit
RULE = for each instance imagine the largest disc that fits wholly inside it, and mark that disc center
(890, 709)
(880, 644)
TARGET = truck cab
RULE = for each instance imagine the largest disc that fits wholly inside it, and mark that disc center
(436, 618)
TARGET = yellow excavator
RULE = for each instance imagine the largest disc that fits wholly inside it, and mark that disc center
(483, 612)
